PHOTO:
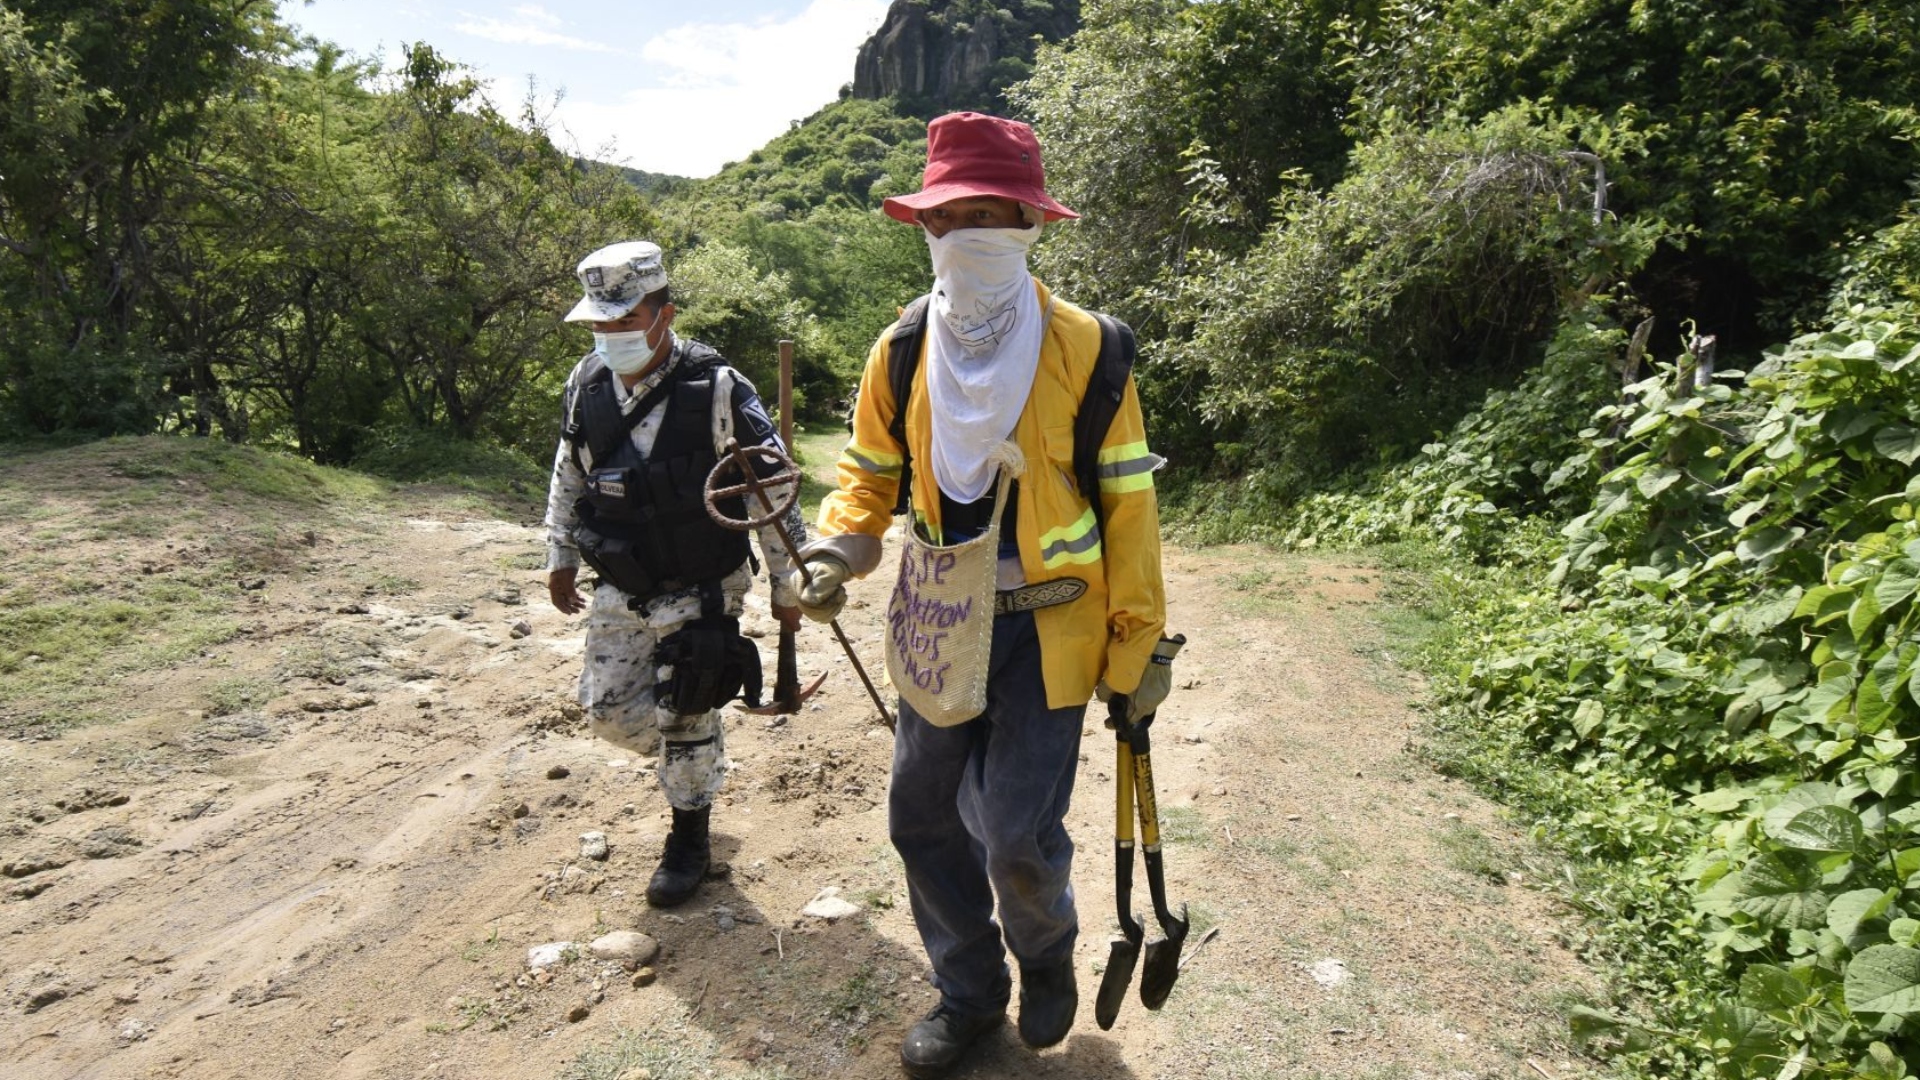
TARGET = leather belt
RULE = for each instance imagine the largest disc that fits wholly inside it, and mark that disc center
(1031, 597)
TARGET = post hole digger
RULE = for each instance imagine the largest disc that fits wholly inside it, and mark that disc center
(1133, 783)
(721, 487)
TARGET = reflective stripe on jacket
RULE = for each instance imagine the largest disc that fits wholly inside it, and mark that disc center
(1111, 630)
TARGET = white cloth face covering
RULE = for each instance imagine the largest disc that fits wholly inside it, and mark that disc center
(983, 347)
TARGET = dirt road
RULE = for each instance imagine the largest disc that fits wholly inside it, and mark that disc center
(322, 843)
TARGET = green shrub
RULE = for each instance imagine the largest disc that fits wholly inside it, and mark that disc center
(1690, 654)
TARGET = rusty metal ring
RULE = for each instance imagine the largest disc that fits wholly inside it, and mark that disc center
(721, 486)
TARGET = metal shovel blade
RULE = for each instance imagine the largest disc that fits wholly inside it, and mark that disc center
(1121, 959)
(1163, 962)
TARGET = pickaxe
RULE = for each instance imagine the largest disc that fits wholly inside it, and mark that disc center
(719, 490)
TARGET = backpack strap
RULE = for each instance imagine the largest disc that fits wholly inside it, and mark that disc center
(1106, 389)
(903, 359)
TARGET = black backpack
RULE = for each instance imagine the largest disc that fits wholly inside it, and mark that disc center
(1106, 389)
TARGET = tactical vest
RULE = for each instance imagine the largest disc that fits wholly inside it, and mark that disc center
(643, 522)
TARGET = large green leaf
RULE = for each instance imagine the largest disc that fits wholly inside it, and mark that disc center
(1765, 543)
(1815, 599)
(1870, 706)
(1899, 442)
(1769, 610)
(1739, 1033)
(1824, 699)
(1656, 480)
(1897, 582)
(1880, 1063)
(1587, 716)
(1781, 891)
(1850, 909)
(1884, 979)
(1773, 987)
(1822, 828)
(1863, 614)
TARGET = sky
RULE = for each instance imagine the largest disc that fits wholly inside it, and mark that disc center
(669, 88)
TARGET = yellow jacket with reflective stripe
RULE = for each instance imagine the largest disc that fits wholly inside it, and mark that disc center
(1111, 630)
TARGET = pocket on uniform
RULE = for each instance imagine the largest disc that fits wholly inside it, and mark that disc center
(1057, 441)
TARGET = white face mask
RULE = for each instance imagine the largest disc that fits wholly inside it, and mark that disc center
(978, 274)
(629, 351)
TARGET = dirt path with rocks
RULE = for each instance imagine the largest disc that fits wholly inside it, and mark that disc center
(324, 846)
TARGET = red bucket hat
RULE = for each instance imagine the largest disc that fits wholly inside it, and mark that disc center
(971, 154)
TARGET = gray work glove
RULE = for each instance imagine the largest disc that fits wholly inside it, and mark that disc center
(821, 598)
(1155, 683)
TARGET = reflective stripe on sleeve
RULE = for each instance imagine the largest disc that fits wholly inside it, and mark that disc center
(1127, 468)
(878, 462)
(1075, 544)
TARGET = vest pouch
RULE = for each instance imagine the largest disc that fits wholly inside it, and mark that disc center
(614, 494)
(712, 665)
(616, 561)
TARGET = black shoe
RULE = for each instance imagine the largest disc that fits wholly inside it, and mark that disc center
(683, 866)
(933, 1045)
(1048, 1000)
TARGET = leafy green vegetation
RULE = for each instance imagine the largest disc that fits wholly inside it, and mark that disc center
(215, 229)
(1699, 683)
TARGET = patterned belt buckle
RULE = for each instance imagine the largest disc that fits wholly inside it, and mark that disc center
(1033, 597)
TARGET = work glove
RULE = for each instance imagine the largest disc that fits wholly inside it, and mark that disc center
(1155, 683)
(821, 598)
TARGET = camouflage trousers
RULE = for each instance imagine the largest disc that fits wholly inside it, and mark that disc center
(617, 689)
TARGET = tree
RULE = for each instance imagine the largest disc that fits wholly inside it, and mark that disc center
(100, 99)
(476, 225)
(1776, 132)
(723, 300)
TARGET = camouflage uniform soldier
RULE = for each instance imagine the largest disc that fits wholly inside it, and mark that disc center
(647, 415)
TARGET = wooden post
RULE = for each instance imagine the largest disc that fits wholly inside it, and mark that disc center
(786, 394)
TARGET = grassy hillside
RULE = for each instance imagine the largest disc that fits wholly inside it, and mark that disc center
(130, 554)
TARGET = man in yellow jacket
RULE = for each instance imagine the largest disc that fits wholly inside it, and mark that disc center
(977, 809)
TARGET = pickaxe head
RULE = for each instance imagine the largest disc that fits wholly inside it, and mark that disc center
(788, 707)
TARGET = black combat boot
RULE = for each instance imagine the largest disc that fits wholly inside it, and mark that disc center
(684, 863)
(933, 1045)
(1048, 999)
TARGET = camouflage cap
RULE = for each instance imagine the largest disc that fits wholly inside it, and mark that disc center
(616, 277)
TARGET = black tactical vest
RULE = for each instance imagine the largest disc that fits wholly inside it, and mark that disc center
(643, 522)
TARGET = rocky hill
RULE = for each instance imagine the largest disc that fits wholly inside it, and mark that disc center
(938, 55)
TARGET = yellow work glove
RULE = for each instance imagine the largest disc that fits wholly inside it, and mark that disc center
(821, 598)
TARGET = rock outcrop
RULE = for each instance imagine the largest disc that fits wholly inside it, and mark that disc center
(956, 54)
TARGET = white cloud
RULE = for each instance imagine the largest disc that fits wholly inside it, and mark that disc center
(537, 14)
(727, 88)
(521, 33)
